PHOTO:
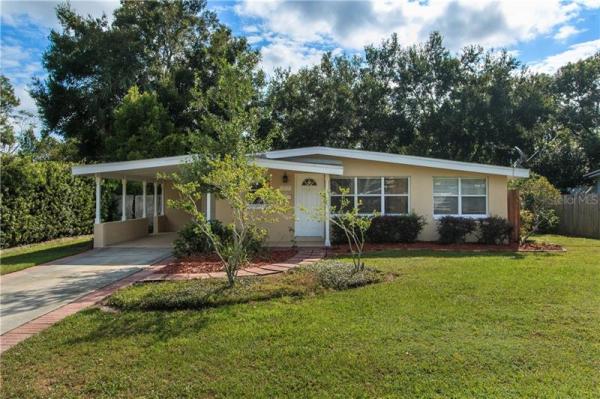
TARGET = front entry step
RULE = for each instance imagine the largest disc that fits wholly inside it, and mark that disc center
(310, 241)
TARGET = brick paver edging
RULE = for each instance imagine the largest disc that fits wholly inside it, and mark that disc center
(24, 331)
(304, 256)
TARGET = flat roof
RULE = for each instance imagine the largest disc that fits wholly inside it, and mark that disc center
(149, 168)
(293, 160)
(399, 159)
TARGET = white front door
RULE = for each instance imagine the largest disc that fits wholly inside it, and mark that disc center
(307, 204)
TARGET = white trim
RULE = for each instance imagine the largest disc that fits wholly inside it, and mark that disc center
(300, 166)
(98, 200)
(327, 211)
(460, 196)
(162, 199)
(144, 199)
(208, 206)
(82, 170)
(380, 195)
(124, 200)
(400, 159)
(155, 199)
(142, 164)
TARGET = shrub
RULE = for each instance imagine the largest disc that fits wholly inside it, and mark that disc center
(198, 294)
(454, 230)
(494, 230)
(340, 276)
(42, 201)
(191, 240)
(393, 229)
(387, 229)
(538, 198)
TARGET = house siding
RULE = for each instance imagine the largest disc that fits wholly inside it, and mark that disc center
(421, 195)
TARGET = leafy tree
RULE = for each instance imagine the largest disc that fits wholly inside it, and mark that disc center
(316, 105)
(242, 184)
(162, 47)
(538, 198)
(577, 90)
(8, 103)
(142, 127)
(349, 221)
(474, 106)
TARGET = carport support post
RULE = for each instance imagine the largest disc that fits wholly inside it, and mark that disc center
(124, 195)
(162, 198)
(208, 206)
(98, 199)
(327, 212)
(155, 208)
(144, 199)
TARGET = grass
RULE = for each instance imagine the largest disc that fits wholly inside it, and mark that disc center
(462, 325)
(198, 294)
(19, 258)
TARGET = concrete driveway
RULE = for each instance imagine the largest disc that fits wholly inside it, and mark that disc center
(30, 293)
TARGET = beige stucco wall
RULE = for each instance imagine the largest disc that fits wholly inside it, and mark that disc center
(175, 219)
(421, 195)
(115, 232)
(421, 188)
(281, 231)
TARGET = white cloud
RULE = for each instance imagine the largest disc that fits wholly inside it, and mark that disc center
(575, 53)
(566, 32)
(288, 54)
(42, 13)
(354, 24)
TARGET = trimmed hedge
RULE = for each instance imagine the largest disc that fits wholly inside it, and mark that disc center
(493, 230)
(387, 229)
(41, 201)
(454, 230)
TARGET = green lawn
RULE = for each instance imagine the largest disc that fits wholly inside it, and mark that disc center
(449, 325)
(20, 258)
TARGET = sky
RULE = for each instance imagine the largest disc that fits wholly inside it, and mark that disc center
(542, 34)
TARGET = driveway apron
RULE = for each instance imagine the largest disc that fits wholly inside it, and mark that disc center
(30, 293)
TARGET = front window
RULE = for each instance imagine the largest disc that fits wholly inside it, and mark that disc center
(257, 203)
(386, 195)
(458, 196)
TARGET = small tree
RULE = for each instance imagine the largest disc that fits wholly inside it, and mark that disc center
(348, 219)
(538, 198)
(244, 185)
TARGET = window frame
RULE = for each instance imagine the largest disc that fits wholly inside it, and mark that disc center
(460, 195)
(257, 206)
(382, 195)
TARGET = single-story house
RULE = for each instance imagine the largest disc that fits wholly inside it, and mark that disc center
(388, 183)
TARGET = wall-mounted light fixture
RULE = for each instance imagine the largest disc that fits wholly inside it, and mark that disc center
(285, 177)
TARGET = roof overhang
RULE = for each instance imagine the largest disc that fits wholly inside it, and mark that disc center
(149, 168)
(399, 159)
(595, 173)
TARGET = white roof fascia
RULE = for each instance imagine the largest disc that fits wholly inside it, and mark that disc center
(124, 166)
(300, 166)
(112, 167)
(401, 159)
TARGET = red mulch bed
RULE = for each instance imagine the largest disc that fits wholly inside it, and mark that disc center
(540, 246)
(211, 263)
(527, 247)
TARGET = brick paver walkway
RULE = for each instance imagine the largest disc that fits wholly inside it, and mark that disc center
(305, 256)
